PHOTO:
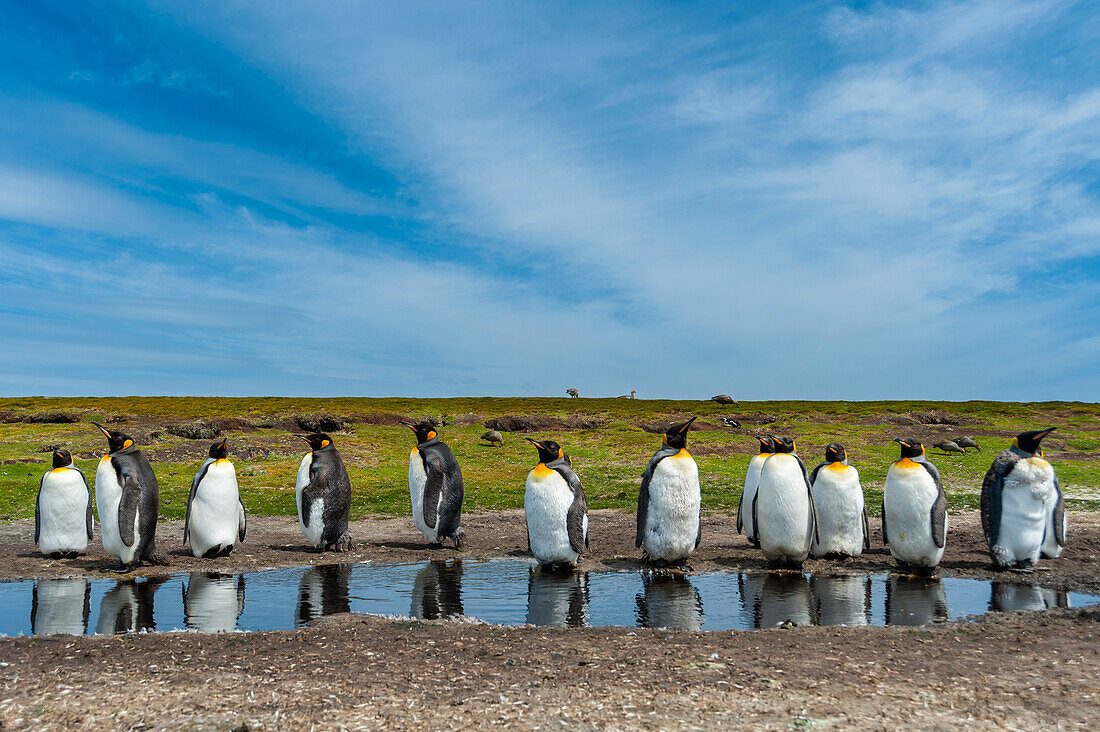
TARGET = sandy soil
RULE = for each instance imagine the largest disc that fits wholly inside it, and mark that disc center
(1016, 670)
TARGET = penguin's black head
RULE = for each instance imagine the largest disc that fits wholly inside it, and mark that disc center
(317, 441)
(783, 444)
(834, 453)
(115, 440)
(424, 431)
(1029, 441)
(677, 435)
(911, 447)
(61, 458)
(549, 451)
(767, 445)
(218, 450)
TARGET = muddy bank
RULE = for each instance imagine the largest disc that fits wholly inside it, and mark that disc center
(274, 541)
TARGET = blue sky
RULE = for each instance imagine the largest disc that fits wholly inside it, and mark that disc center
(810, 200)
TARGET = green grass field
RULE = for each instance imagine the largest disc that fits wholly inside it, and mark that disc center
(609, 459)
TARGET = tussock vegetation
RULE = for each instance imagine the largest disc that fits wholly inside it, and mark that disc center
(607, 439)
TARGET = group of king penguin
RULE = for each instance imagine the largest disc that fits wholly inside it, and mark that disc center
(786, 511)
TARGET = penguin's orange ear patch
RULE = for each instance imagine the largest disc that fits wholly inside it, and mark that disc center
(431, 435)
(127, 444)
(561, 453)
(325, 443)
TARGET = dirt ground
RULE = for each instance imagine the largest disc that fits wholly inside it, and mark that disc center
(1014, 670)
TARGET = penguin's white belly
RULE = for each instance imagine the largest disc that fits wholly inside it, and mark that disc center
(1027, 500)
(108, 495)
(841, 600)
(63, 512)
(546, 503)
(316, 526)
(215, 510)
(784, 521)
(59, 606)
(672, 603)
(418, 479)
(119, 610)
(915, 601)
(672, 519)
(839, 500)
(784, 598)
(752, 481)
(1009, 596)
(211, 603)
(908, 497)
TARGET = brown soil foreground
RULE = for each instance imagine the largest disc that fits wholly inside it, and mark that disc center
(1015, 670)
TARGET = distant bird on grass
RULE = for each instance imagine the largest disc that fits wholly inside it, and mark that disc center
(948, 447)
(730, 422)
(627, 396)
(493, 438)
(723, 399)
(573, 393)
(965, 442)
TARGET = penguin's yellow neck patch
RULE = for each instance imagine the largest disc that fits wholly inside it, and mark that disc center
(907, 463)
(1036, 460)
(221, 460)
(683, 453)
(837, 465)
(105, 457)
(541, 471)
(764, 455)
(58, 470)
(414, 451)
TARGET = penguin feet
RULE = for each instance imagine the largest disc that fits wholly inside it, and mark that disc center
(435, 545)
(120, 568)
(343, 544)
(155, 559)
(459, 538)
(214, 551)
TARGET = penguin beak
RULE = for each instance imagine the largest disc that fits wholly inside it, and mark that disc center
(410, 425)
(304, 438)
(1044, 433)
(103, 429)
(901, 442)
(687, 425)
(536, 443)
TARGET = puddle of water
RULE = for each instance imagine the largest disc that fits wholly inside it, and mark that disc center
(505, 592)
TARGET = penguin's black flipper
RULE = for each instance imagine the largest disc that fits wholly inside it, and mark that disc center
(38, 517)
(885, 540)
(813, 474)
(755, 525)
(191, 497)
(810, 493)
(450, 508)
(128, 506)
(1059, 515)
(866, 530)
(574, 517)
(88, 516)
(938, 514)
(643, 492)
(992, 486)
(242, 521)
(310, 493)
(740, 501)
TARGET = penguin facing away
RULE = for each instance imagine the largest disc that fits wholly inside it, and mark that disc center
(63, 509)
(128, 500)
(323, 495)
(914, 509)
(669, 501)
(555, 508)
(435, 487)
(215, 518)
(1022, 504)
(841, 514)
(783, 510)
(748, 493)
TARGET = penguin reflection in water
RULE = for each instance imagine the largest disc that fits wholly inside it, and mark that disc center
(128, 500)
(557, 599)
(323, 495)
(128, 606)
(915, 601)
(841, 600)
(213, 602)
(435, 487)
(669, 601)
(841, 515)
(668, 527)
(1009, 596)
(323, 590)
(555, 508)
(784, 598)
(215, 518)
(1023, 512)
(914, 510)
(61, 606)
(437, 590)
(63, 510)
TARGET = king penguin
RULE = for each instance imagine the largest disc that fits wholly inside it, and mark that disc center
(783, 511)
(215, 518)
(748, 494)
(841, 515)
(323, 495)
(213, 602)
(128, 500)
(914, 509)
(555, 508)
(61, 606)
(63, 510)
(1022, 503)
(669, 501)
(435, 487)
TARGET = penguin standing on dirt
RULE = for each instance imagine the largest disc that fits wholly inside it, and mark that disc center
(555, 508)
(215, 518)
(668, 528)
(323, 495)
(435, 487)
(1022, 503)
(63, 509)
(128, 499)
(783, 511)
(841, 515)
(748, 494)
(914, 509)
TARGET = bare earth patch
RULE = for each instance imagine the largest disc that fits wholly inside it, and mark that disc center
(1016, 670)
